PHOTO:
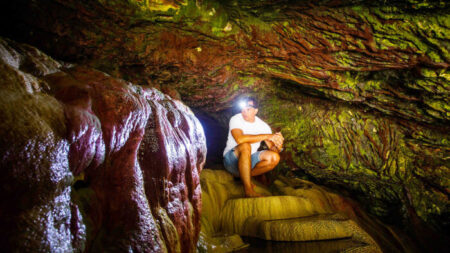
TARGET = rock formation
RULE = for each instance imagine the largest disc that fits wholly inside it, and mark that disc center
(298, 211)
(132, 154)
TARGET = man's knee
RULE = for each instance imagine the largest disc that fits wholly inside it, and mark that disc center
(273, 157)
(243, 148)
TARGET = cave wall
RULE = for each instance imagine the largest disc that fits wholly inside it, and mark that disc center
(396, 168)
(379, 70)
(37, 213)
(92, 163)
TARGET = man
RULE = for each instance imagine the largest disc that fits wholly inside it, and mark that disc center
(241, 157)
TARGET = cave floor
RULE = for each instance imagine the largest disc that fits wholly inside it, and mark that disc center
(262, 246)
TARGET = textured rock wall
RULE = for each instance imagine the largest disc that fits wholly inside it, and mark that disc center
(390, 56)
(37, 213)
(132, 155)
(398, 169)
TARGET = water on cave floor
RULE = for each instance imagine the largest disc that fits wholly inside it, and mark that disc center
(328, 246)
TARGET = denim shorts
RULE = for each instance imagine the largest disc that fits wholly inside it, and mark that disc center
(231, 161)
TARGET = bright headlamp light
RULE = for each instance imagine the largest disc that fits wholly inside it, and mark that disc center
(242, 104)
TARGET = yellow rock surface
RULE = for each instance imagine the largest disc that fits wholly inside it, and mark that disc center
(301, 211)
(312, 228)
(236, 211)
(218, 186)
(302, 188)
(220, 244)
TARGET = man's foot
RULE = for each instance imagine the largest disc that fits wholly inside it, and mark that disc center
(252, 194)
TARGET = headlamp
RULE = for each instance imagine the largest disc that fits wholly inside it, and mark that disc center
(242, 104)
(245, 103)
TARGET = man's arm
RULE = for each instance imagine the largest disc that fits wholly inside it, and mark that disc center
(277, 148)
(240, 137)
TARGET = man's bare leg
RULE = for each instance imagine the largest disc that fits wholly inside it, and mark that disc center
(269, 159)
(243, 152)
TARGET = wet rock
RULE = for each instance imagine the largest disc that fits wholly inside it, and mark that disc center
(37, 213)
(132, 154)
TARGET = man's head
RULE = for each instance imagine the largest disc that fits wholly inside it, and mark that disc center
(249, 108)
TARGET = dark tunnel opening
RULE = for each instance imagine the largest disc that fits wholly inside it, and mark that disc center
(215, 128)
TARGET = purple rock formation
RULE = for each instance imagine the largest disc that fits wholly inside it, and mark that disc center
(136, 153)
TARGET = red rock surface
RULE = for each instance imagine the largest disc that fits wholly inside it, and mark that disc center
(136, 153)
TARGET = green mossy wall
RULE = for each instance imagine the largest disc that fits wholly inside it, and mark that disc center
(397, 168)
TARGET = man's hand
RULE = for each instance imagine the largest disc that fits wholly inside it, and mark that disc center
(277, 140)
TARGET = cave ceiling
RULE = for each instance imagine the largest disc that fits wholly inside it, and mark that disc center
(391, 56)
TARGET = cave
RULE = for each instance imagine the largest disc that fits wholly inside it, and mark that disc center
(115, 115)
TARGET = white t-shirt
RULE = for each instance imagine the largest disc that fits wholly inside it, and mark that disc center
(253, 128)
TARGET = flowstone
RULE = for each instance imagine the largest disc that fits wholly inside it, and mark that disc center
(91, 163)
(305, 212)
